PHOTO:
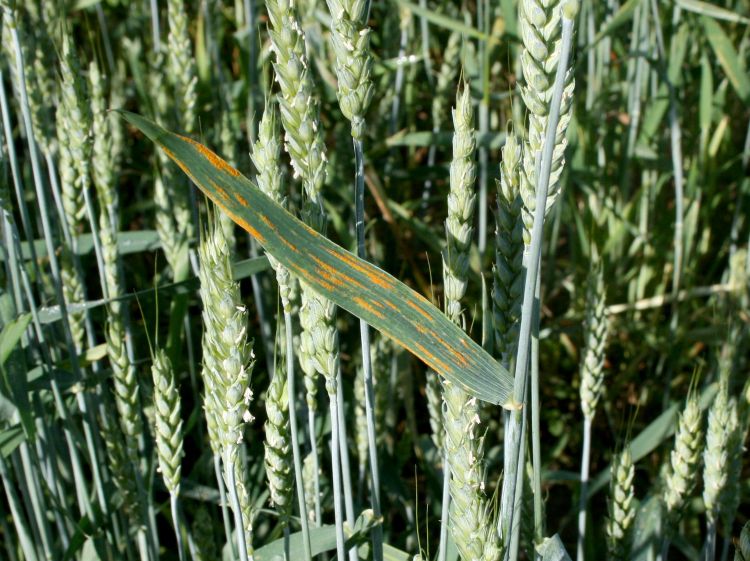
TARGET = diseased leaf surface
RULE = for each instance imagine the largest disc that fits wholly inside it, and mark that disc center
(352, 283)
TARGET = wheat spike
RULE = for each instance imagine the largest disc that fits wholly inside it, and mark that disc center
(508, 277)
(716, 452)
(539, 23)
(685, 457)
(168, 421)
(181, 65)
(463, 444)
(742, 553)
(596, 328)
(351, 44)
(278, 450)
(621, 506)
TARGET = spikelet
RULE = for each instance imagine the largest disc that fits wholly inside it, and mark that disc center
(246, 506)
(351, 45)
(716, 452)
(463, 445)
(228, 140)
(225, 342)
(278, 451)
(539, 23)
(299, 105)
(731, 494)
(379, 348)
(120, 466)
(181, 65)
(174, 221)
(228, 362)
(203, 535)
(461, 205)
(596, 327)
(508, 277)
(74, 134)
(127, 392)
(318, 350)
(266, 156)
(433, 390)
(685, 458)
(445, 84)
(74, 139)
(308, 478)
(168, 422)
(621, 506)
(742, 553)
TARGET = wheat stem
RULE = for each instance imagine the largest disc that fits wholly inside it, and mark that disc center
(545, 159)
(290, 383)
(81, 491)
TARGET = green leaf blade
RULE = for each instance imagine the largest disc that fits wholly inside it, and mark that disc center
(352, 283)
(728, 58)
(11, 334)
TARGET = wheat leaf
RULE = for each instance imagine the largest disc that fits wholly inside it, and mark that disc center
(353, 284)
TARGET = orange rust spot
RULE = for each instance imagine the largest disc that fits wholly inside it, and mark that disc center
(420, 328)
(431, 359)
(253, 232)
(240, 199)
(391, 305)
(310, 279)
(336, 273)
(369, 307)
(456, 354)
(419, 309)
(329, 277)
(268, 222)
(179, 163)
(169, 153)
(324, 284)
(289, 244)
(221, 192)
(370, 272)
(379, 280)
(212, 158)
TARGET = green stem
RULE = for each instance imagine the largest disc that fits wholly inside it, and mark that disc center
(536, 445)
(27, 545)
(336, 474)
(425, 33)
(515, 533)
(175, 507)
(585, 463)
(364, 330)
(38, 504)
(445, 510)
(224, 508)
(81, 491)
(345, 468)
(155, 33)
(709, 548)
(316, 464)
(235, 498)
(295, 436)
(544, 166)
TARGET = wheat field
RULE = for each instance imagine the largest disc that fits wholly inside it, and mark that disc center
(393, 281)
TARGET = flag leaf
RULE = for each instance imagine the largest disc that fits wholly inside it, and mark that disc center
(355, 285)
